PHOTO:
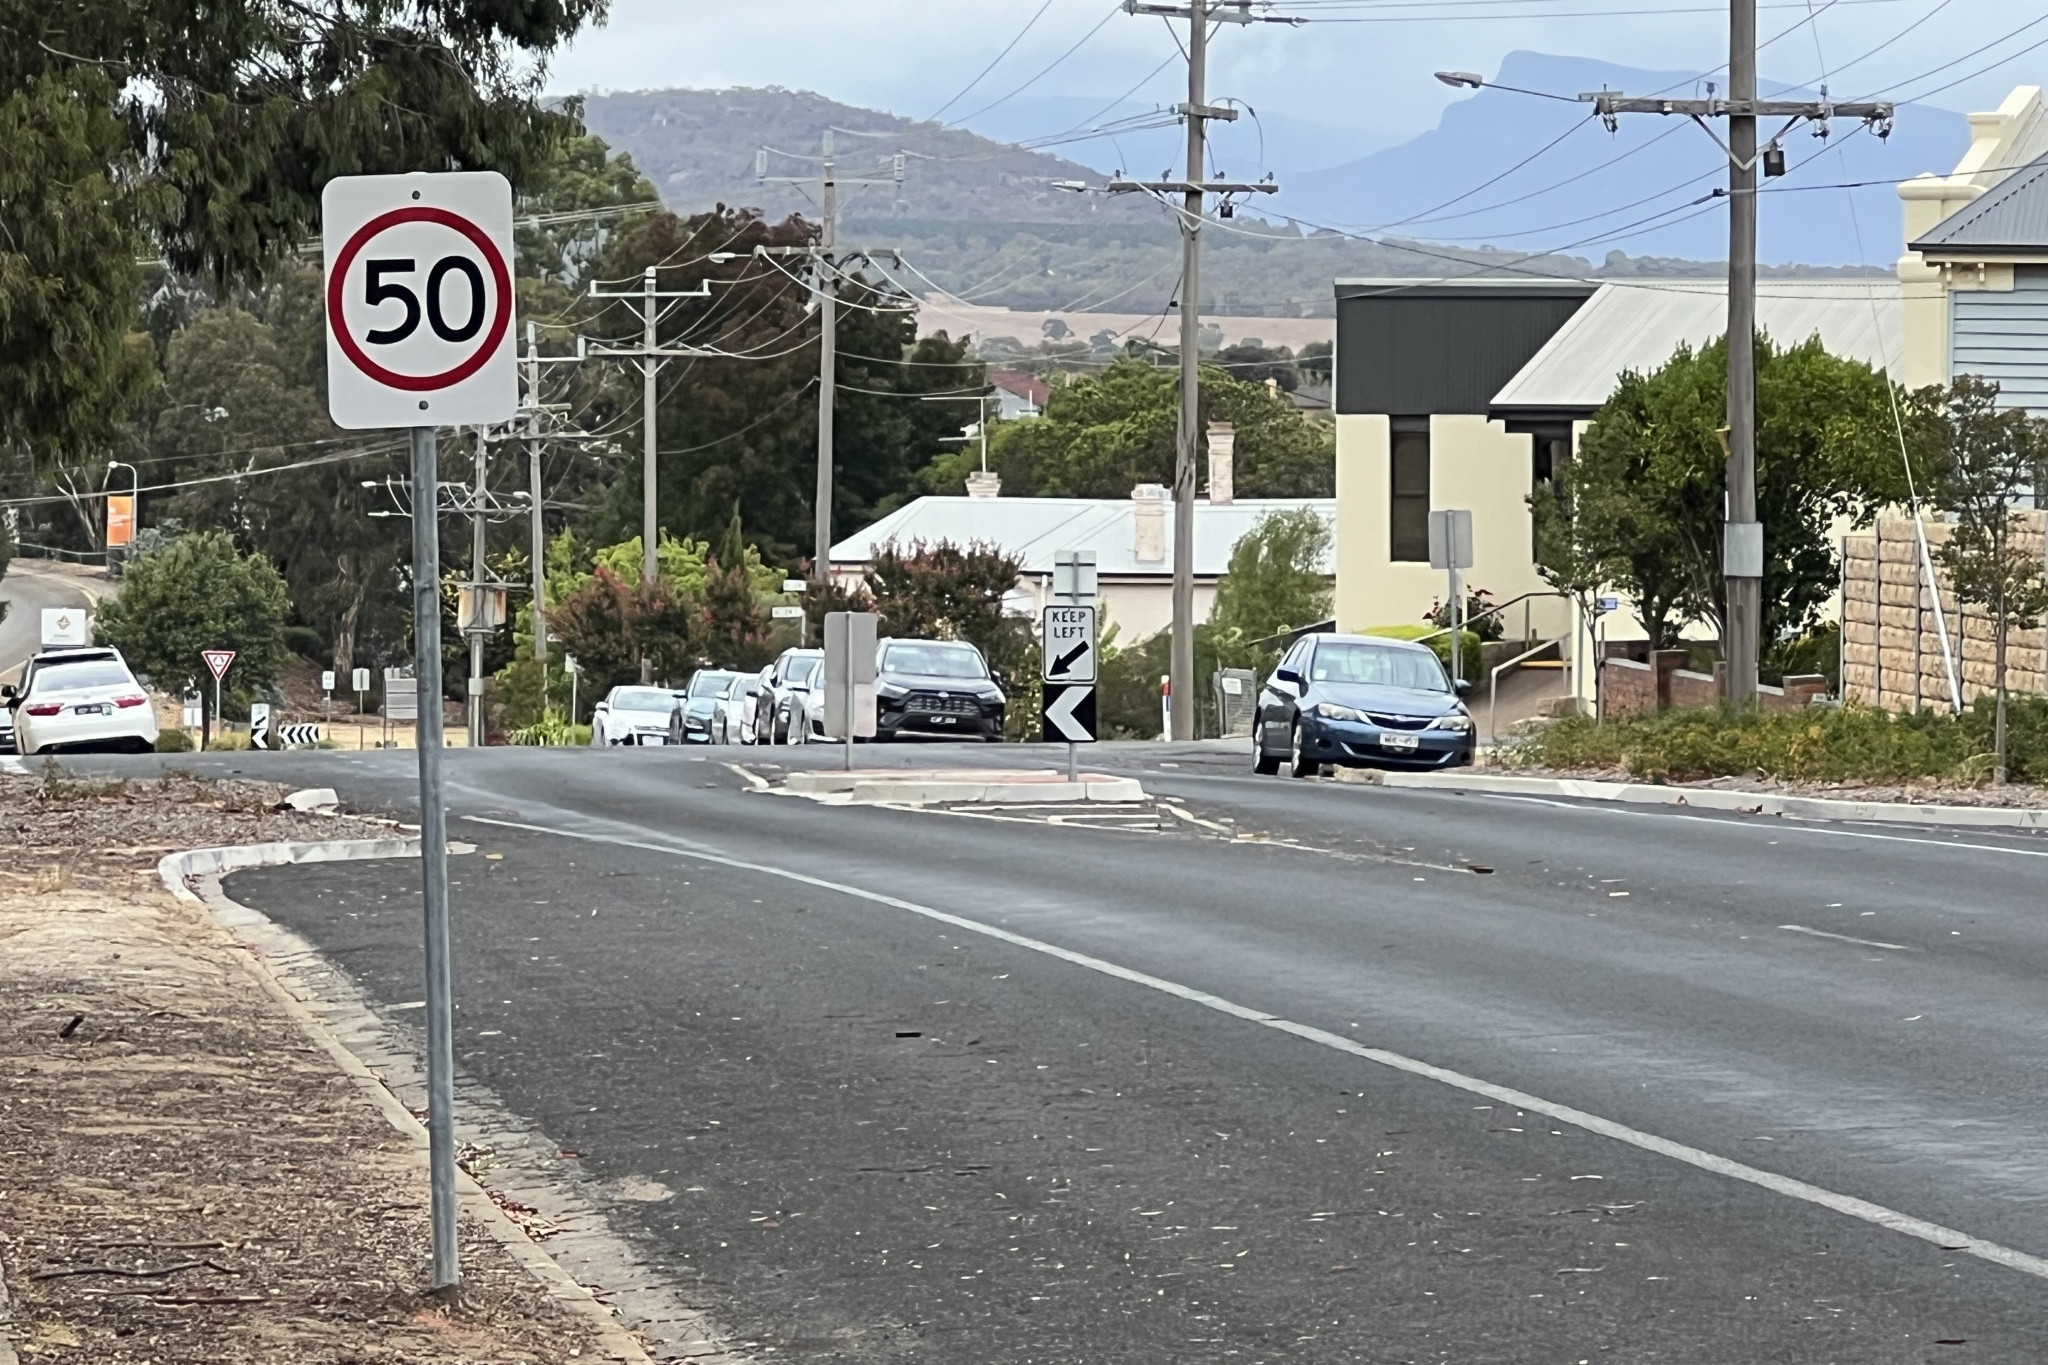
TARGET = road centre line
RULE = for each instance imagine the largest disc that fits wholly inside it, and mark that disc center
(1844, 938)
(1948, 1239)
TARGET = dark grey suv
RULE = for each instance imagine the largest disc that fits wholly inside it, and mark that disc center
(936, 687)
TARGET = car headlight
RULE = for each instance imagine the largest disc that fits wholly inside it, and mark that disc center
(890, 691)
(1331, 711)
(1458, 723)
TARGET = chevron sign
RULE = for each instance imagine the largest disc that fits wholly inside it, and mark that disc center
(298, 734)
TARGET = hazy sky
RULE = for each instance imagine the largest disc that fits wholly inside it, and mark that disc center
(1367, 65)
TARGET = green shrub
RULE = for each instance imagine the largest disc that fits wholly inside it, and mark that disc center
(229, 741)
(2026, 734)
(1821, 744)
(1468, 658)
(551, 729)
(174, 742)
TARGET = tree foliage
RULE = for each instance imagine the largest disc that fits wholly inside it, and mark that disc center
(1101, 435)
(1982, 459)
(1640, 505)
(202, 133)
(197, 593)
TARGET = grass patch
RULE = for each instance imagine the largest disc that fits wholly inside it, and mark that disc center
(1818, 744)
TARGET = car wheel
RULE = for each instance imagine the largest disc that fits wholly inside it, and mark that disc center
(1299, 763)
(1263, 763)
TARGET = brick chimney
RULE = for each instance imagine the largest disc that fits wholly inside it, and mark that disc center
(1222, 450)
(1148, 523)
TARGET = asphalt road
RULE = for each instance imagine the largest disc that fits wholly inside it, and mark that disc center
(27, 589)
(1392, 1075)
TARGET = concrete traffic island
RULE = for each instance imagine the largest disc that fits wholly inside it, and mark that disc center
(980, 786)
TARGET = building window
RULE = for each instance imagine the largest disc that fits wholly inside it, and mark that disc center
(1408, 505)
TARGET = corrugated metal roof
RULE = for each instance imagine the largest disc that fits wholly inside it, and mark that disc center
(1632, 326)
(1035, 529)
(2012, 217)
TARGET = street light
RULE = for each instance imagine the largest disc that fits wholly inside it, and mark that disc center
(1464, 78)
(1472, 80)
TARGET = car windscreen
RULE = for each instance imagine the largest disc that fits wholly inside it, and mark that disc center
(708, 684)
(93, 673)
(934, 660)
(745, 686)
(802, 671)
(643, 699)
(1377, 665)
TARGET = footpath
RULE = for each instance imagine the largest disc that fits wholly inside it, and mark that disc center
(189, 1177)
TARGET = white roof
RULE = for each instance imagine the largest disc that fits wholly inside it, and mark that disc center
(1628, 325)
(1035, 529)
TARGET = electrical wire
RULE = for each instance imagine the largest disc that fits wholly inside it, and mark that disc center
(1007, 49)
(1047, 69)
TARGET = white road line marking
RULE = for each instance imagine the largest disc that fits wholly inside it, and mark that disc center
(1844, 938)
(1948, 1239)
(13, 766)
(753, 779)
(1773, 828)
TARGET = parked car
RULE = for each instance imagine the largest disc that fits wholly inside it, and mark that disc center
(692, 720)
(80, 700)
(634, 715)
(1360, 701)
(791, 713)
(732, 714)
(938, 687)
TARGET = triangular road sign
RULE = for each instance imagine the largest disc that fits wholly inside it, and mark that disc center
(217, 661)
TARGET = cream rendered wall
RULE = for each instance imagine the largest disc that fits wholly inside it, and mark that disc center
(1474, 464)
(2000, 141)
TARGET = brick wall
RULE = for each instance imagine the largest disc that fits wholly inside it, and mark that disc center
(1629, 688)
(1891, 645)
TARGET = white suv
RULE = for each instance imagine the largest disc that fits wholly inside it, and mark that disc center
(74, 699)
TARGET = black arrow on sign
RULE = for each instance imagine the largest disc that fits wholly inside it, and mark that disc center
(1066, 660)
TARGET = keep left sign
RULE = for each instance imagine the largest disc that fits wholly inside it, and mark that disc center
(419, 300)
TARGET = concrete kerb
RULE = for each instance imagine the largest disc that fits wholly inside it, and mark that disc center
(964, 786)
(194, 876)
(1711, 798)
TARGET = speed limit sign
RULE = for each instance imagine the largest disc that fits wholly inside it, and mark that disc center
(419, 300)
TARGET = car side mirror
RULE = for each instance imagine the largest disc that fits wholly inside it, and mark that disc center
(1462, 687)
(995, 675)
(8, 692)
(1287, 675)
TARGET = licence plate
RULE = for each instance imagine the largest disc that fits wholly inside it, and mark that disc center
(1406, 743)
(93, 709)
(942, 720)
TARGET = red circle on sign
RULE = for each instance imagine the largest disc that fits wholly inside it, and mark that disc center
(501, 321)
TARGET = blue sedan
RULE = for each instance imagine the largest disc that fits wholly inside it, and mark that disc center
(1360, 701)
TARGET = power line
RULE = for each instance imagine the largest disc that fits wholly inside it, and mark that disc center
(1007, 49)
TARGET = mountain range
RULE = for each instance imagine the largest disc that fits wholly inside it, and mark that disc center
(1505, 180)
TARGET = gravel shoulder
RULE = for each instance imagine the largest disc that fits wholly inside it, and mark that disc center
(189, 1180)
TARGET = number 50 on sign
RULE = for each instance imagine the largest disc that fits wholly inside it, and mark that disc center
(419, 299)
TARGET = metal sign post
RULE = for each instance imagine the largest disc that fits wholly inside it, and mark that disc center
(1073, 585)
(419, 304)
(1450, 547)
(217, 661)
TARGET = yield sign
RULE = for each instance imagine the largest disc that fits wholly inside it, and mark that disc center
(217, 661)
(1070, 712)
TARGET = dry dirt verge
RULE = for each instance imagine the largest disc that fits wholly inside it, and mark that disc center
(188, 1178)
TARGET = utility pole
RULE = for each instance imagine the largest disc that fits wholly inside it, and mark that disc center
(1188, 435)
(827, 266)
(650, 355)
(1742, 542)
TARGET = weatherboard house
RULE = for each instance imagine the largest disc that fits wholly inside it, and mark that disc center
(1473, 393)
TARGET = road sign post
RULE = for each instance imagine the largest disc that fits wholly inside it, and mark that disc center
(1450, 547)
(420, 335)
(1069, 654)
(217, 661)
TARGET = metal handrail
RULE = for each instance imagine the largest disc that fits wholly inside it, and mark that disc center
(1493, 687)
(1493, 610)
